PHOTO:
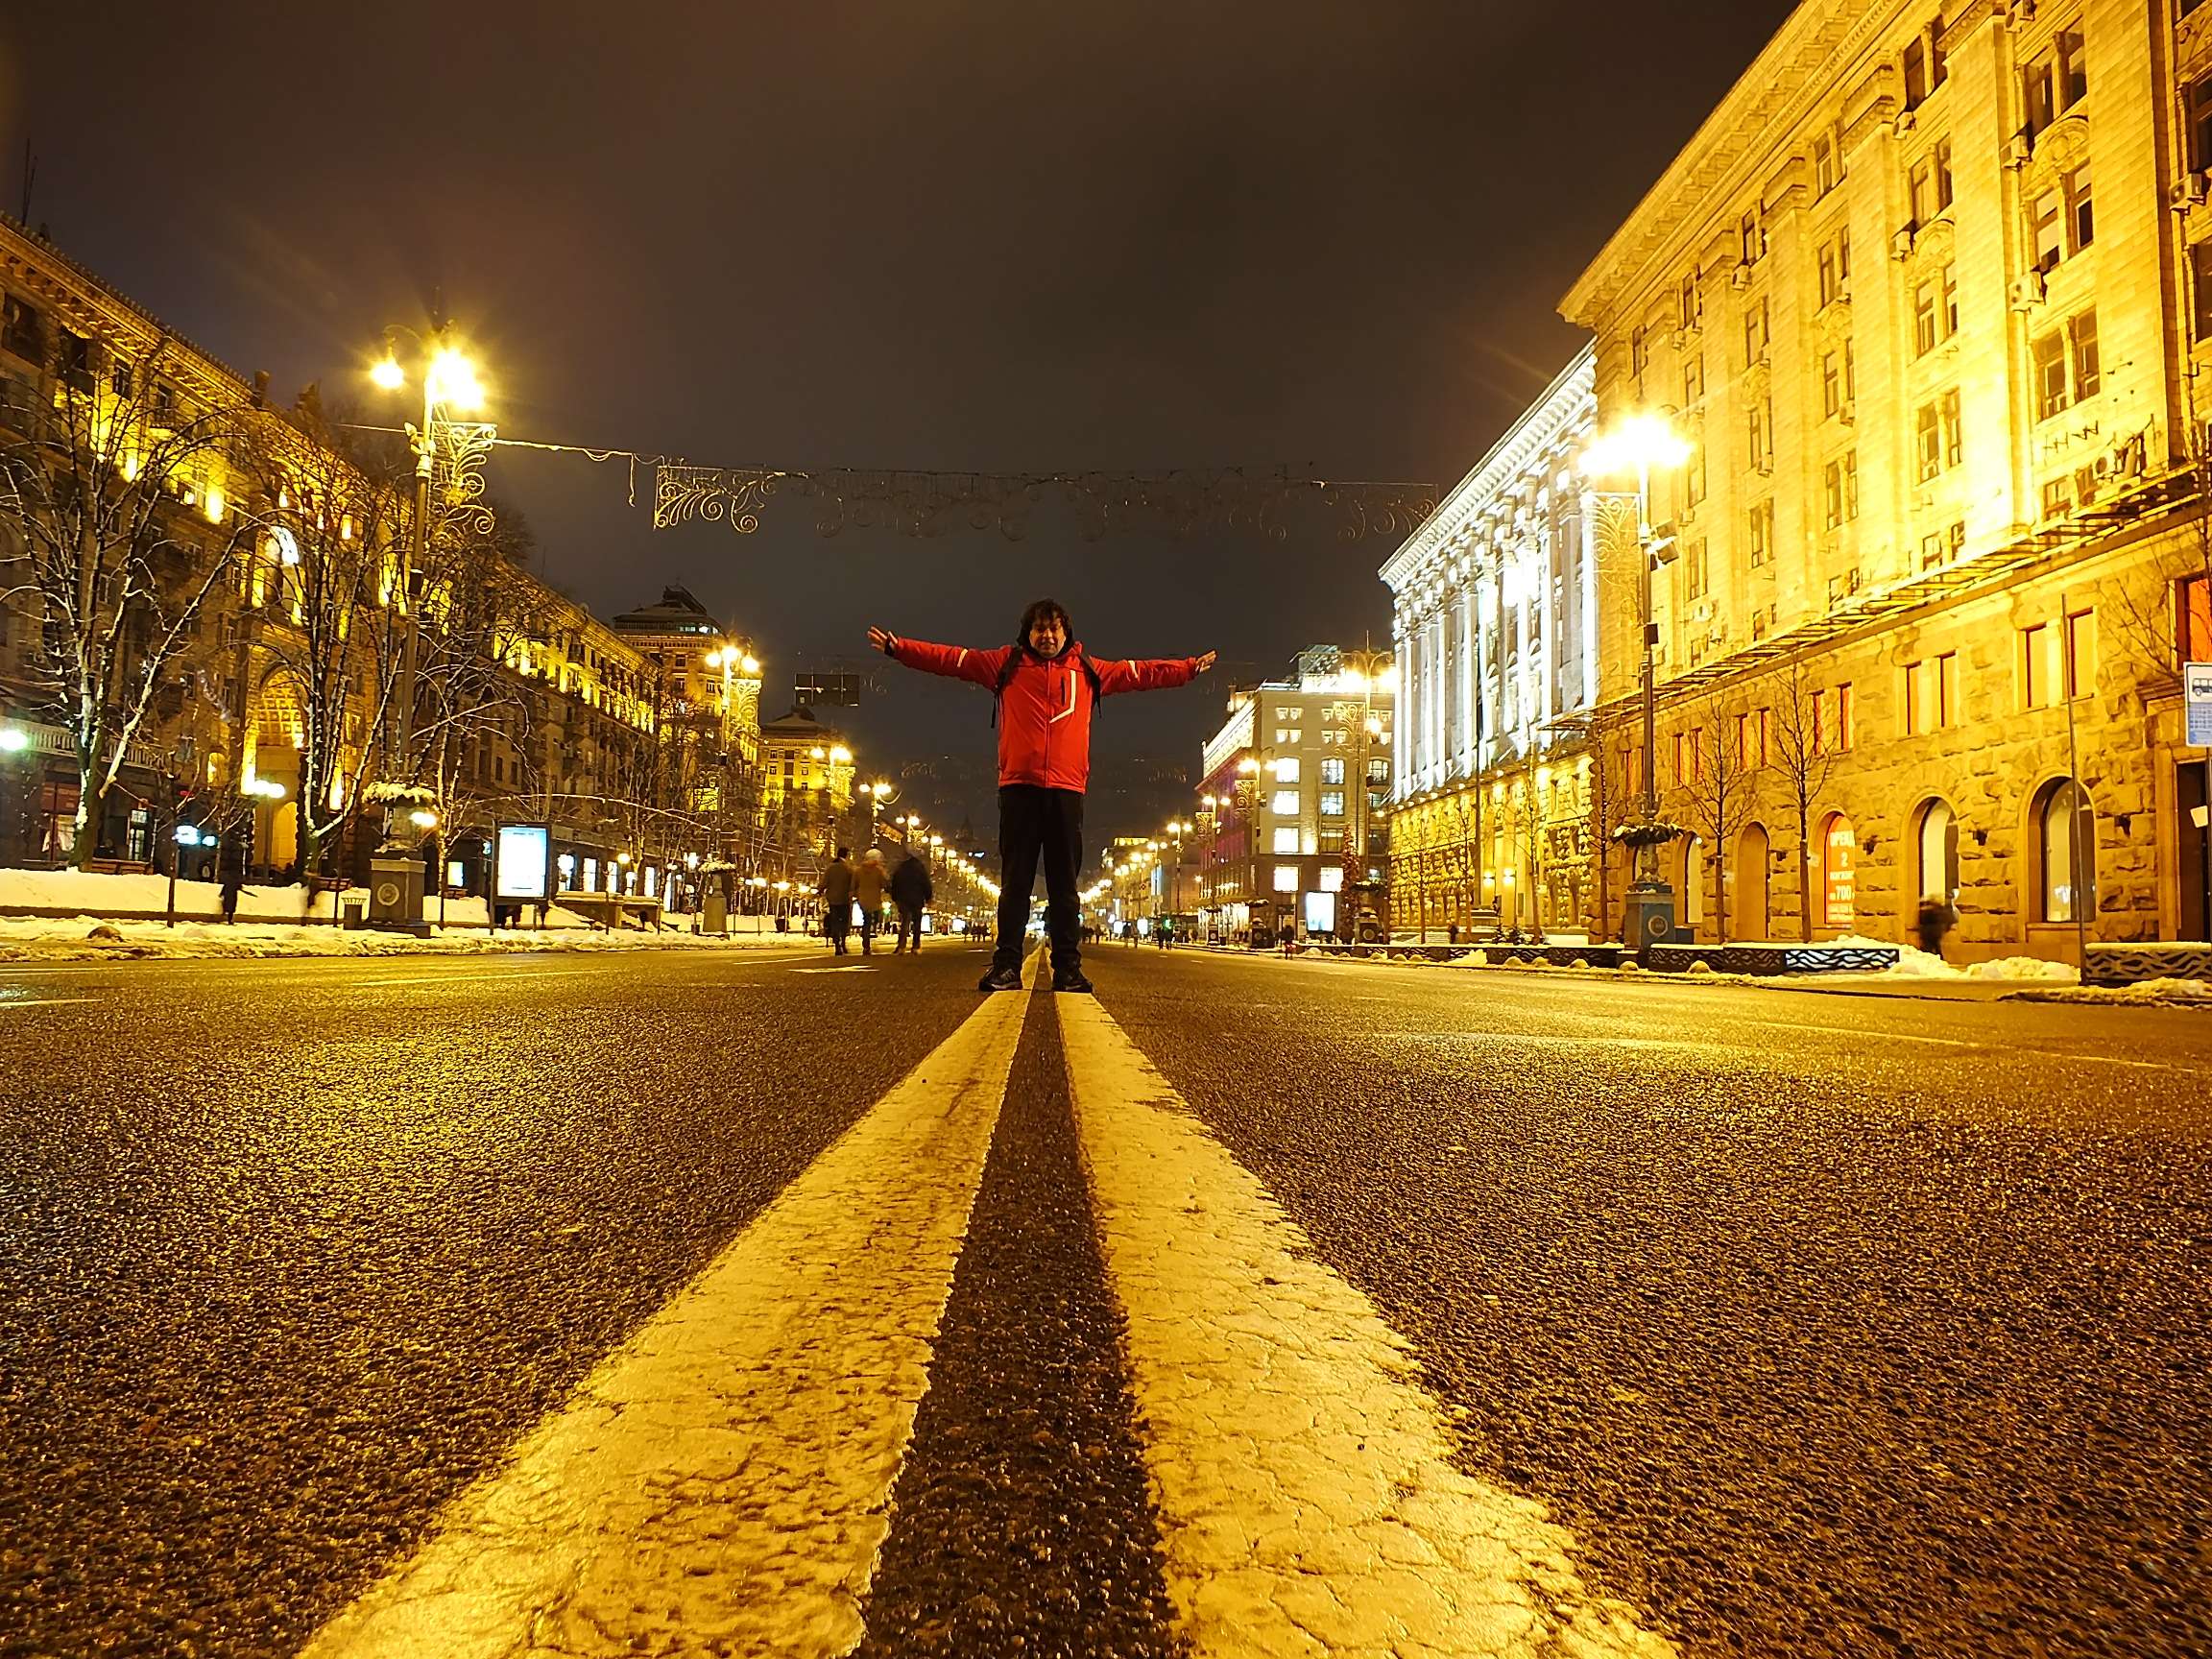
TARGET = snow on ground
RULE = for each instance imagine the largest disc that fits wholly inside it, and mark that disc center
(278, 920)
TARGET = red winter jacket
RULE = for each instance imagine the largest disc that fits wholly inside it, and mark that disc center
(1045, 712)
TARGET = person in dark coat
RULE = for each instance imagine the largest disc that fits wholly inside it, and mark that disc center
(233, 884)
(837, 890)
(1935, 919)
(911, 891)
(1048, 686)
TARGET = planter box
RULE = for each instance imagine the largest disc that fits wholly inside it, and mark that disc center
(1558, 955)
(2132, 964)
(1772, 959)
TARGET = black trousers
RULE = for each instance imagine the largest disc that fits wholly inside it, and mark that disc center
(1036, 823)
(909, 926)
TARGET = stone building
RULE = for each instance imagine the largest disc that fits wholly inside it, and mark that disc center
(1291, 801)
(1495, 615)
(1928, 292)
(572, 736)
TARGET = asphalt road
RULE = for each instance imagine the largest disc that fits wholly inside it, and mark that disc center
(1831, 1325)
(1826, 1325)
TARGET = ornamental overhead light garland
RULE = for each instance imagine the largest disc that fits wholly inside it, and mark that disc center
(920, 503)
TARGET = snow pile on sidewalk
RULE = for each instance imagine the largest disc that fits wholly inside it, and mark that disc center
(1914, 963)
(92, 938)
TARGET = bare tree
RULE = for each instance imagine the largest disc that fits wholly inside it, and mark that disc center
(326, 595)
(116, 529)
(1721, 790)
(1803, 756)
(2145, 605)
(1612, 803)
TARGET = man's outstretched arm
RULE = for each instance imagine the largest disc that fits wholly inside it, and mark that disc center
(957, 661)
(1147, 674)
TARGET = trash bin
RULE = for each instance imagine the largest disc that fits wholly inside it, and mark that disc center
(353, 907)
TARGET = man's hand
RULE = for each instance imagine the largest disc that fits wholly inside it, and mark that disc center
(883, 639)
(1205, 662)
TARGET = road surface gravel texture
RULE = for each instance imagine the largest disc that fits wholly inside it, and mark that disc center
(1821, 1325)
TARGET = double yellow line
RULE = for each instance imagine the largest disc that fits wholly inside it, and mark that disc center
(721, 1483)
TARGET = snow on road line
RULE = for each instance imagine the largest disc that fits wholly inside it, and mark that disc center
(1307, 1500)
(721, 1483)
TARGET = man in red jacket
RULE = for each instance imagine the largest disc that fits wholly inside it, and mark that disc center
(1046, 686)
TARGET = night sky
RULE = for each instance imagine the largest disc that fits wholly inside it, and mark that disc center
(967, 236)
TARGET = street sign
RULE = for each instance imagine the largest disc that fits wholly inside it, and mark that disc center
(522, 865)
(2196, 692)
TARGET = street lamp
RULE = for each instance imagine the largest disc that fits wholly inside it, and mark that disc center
(1638, 443)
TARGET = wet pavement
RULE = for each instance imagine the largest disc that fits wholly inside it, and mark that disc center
(1815, 1326)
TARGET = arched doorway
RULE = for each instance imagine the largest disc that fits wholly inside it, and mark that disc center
(1935, 843)
(1838, 872)
(1746, 916)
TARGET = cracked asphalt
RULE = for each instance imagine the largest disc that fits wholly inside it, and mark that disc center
(1828, 1326)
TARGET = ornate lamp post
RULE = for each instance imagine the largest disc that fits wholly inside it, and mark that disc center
(1638, 444)
(449, 387)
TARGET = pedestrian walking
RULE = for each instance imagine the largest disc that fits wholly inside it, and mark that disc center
(869, 885)
(837, 890)
(911, 891)
(1936, 918)
(1047, 688)
(233, 884)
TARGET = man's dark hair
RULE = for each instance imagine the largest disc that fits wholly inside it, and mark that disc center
(1039, 610)
(843, 852)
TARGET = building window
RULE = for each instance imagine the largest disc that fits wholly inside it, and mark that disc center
(1694, 477)
(1286, 877)
(2066, 366)
(1927, 444)
(2081, 665)
(1694, 569)
(2066, 847)
(2201, 286)
(1377, 771)
(2193, 618)
(22, 329)
(1831, 384)
(2055, 82)
(1756, 334)
(2035, 666)
(2062, 219)
(1839, 850)
(1935, 310)
(1954, 446)
(1287, 769)
(1823, 165)
(1916, 73)
(1332, 770)
(1639, 351)
(1847, 719)
(1694, 375)
(1284, 838)
(1931, 694)
(1842, 478)
(1691, 312)
(1937, 843)
(1759, 435)
(1833, 264)
(1752, 235)
(1331, 803)
(1284, 804)
(1761, 540)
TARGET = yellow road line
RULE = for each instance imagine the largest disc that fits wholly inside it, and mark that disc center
(720, 1484)
(1308, 1497)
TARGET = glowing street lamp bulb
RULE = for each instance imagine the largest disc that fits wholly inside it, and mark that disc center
(749, 665)
(452, 381)
(14, 740)
(389, 374)
(1642, 441)
(840, 755)
(424, 820)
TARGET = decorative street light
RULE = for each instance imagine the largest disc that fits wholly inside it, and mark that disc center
(1638, 443)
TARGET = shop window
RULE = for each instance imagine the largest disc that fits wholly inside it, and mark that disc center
(1936, 850)
(2193, 618)
(2065, 841)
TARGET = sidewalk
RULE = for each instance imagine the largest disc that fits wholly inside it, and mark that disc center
(1919, 977)
(68, 915)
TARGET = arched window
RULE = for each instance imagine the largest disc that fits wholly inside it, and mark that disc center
(2066, 848)
(1838, 847)
(1692, 880)
(1938, 853)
